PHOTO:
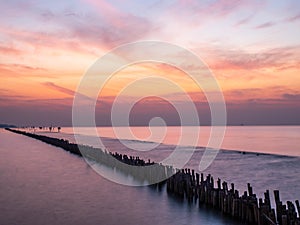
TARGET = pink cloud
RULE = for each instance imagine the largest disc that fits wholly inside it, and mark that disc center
(110, 13)
(116, 27)
(88, 34)
(235, 59)
(19, 70)
(197, 13)
(9, 50)
(266, 25)
(41, 40)
(273, 23)
(244, 21)
(225, 7)
(293, 18)
(53, 86)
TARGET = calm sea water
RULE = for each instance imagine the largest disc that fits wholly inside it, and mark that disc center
(41, 184)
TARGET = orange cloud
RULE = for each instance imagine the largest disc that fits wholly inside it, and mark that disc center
(9, 50)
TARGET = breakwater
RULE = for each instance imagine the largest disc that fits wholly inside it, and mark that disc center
(191, 186)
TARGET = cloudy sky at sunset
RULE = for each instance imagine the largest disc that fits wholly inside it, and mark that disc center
(252, 47)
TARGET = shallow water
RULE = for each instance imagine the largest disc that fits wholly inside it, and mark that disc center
(42, 184)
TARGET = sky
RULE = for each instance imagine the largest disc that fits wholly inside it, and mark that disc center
(251, 47)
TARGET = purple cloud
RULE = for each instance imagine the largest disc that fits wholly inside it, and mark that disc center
(266, 25)
(244, 21)
(235, 59)
(292, 97)
(53, 86)
(293, 18)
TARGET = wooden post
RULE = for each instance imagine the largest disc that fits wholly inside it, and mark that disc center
(284, 220)
(232, 188)
(298, 207)
(250, 191)
(267, 199)
(219, 184)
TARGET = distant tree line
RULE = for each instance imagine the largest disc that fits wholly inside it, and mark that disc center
(43, 128)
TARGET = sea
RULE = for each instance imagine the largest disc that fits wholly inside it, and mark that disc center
(42, 184)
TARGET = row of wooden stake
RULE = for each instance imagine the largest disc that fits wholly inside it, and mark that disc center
(246, 207)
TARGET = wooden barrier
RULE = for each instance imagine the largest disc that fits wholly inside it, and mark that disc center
(186, 184)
